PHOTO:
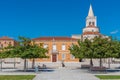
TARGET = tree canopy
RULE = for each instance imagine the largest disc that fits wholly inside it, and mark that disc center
(98, 47)
(25, 50)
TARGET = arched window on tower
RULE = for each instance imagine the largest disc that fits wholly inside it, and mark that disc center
(89, 23)
(93, 23)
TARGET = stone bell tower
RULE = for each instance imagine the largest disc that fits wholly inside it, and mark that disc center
(91, 19)
(91, 30)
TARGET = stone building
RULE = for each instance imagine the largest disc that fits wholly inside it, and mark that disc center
(6, 41)
(58, 48)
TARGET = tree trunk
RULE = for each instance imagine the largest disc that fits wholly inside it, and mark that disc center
(91, 62)
(33, 63)
(100, 62)
(24, 64)
(27, 64)
(108, 62)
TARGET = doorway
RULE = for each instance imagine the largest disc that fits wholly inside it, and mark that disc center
(54, 57)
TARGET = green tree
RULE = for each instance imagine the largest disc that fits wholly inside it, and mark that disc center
(33, 52)
(105, 48)
(96, 48)
(25, 50)
(117, 49)
(24, 45)
(101, 48)
(28, 50)
(5, 53)
(84, 49)
(113, 48)
(77, 50)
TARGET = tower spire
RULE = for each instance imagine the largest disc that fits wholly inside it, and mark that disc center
(90, 13)
(91, 19)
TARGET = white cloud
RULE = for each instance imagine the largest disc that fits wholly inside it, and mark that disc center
(114, 32)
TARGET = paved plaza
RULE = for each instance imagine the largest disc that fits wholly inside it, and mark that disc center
(65, 74)
(71, 71)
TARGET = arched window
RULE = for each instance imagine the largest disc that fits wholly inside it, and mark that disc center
(89, 23)
(93, 23)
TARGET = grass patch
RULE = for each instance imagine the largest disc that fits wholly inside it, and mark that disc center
(108, 76)
(16, 77)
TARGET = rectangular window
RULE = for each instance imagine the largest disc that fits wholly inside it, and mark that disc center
(72, 57)
(63, 56)
(45, 46)
(54, 47)
(63, 47)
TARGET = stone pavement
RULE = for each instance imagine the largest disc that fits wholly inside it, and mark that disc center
(71, 72)
(65, 74)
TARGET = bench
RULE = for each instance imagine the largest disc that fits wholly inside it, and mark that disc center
(85, 66)
(99, 69)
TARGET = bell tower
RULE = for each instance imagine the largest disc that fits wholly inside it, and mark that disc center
(91, 19)
(91, 30)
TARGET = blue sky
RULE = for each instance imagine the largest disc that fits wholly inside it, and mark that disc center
(35, 18)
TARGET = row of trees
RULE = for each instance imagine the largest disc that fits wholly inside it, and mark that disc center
(25, 49)
(96, 48)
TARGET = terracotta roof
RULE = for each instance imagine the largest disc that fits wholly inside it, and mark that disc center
(89, 33)
(54, 38)
(6, 38)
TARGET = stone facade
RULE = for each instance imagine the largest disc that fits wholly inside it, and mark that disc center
(58, 48)
(6, 41)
